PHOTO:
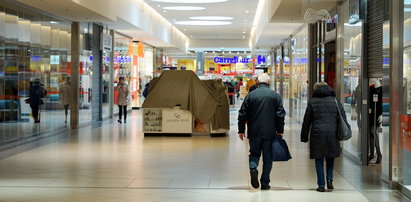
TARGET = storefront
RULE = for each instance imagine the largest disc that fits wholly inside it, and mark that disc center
(34, 54)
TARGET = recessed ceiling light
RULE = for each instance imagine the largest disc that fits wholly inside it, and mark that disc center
(54, 22)
(209, 23)
(184, 8)
(164, 11)
(243, 32)
(190, 1)
(211, 18)
(158, 5)
(246, 12)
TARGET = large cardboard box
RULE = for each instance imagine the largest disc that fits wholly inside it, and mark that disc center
(166, 120)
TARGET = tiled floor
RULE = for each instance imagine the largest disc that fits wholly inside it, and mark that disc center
(114, 162)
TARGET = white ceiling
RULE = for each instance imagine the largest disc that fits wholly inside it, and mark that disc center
(274, 33)
(233, 8)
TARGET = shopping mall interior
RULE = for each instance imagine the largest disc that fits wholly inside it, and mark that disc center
(141, 100)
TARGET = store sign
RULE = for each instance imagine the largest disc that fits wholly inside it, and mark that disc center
(219, 60)
(107, 42)
(54, 59)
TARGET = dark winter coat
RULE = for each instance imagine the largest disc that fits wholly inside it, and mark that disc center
(263, 112)
(36, 93)
(320, 124)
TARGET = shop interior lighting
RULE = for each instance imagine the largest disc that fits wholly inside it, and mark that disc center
(203, 23)
(211, 18)
(184, 8)
(54, 22)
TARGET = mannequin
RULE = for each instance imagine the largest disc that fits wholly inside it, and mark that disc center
(375, 114)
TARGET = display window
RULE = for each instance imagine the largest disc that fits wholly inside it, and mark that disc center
(34, 69)
(405, 117)
(351, 80)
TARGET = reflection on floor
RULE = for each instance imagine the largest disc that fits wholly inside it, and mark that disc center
(115, 162)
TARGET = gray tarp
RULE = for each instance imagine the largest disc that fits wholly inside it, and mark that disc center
(184, 88)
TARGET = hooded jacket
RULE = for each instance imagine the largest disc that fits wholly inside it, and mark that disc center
(320, 124)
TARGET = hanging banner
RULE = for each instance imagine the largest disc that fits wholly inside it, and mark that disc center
(140, 49)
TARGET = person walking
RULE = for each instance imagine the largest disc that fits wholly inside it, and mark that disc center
(122, 98)
(36, 93)
(320, 128)
(65, 95)
(263, 112)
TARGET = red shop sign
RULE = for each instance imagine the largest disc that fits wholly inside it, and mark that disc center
(405, 142)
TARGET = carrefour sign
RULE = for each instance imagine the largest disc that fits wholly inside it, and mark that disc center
(260, 59)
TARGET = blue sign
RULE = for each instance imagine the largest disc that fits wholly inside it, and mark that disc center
(230, 60)
(260, 59)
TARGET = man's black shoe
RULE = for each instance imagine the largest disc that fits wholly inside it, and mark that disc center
(265, 187)
(254, 178)
(330, 185)
(321, 189)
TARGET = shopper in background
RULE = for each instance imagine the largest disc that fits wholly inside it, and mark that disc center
(146, 89)
(264, 114)
(253, 87)
(320, 128)
(65, 95)
(250, 83)
(37, 92)
(123, 92)
(239, 84)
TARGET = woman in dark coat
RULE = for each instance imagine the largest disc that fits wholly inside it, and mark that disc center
(320, 126)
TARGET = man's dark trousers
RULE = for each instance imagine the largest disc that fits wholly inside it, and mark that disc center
(258, 145)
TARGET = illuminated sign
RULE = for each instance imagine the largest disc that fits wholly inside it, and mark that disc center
(231, 60)
(260, 60)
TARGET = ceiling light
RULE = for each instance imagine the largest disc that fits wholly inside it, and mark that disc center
(243, 32)
(184, 8)
(205, 23)
(190, 1)
(54, 22)
(158, 5)
(246, 12)
(211, 18)
(164, 11)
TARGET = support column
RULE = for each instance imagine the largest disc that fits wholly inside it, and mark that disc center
(111, 79)
(282, 71)
(396, 88)
(200, 63)
(290, 78)
(97, 76)
(312, 59)
(75, 76)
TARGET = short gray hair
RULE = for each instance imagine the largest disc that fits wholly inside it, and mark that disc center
(319, 84)
(264, 78)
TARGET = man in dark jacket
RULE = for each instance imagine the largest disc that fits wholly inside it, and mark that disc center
(320, 126)
(263, 111)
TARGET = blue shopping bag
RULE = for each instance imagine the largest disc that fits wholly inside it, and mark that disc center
(280, 149)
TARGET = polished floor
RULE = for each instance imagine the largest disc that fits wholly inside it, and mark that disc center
(113, 162)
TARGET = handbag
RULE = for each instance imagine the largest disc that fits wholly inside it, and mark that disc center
(343, 127)
(280, 149)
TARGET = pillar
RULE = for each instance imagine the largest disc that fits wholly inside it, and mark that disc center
(96, 108)
(111, 79)
(75, 76)
(200, 63)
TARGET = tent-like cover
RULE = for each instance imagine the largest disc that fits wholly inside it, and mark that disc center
(206, 101)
